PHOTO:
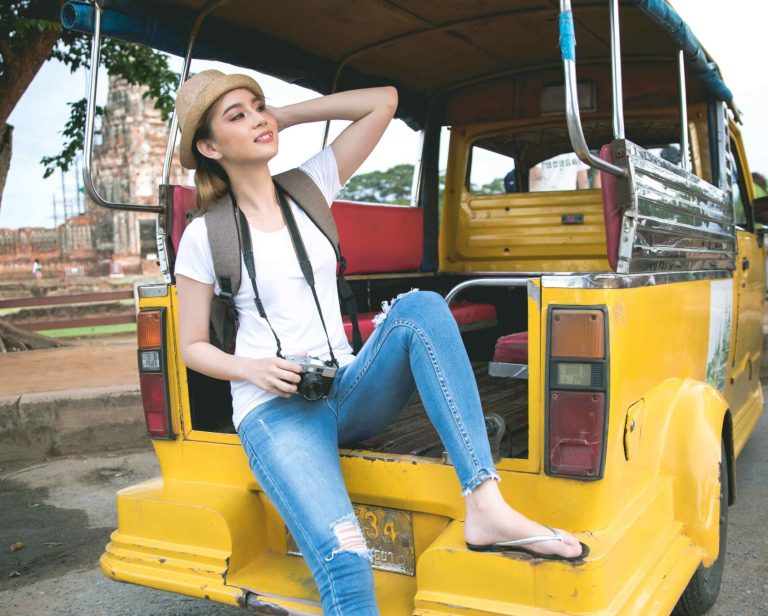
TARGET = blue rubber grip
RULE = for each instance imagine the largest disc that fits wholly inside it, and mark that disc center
(567, 36)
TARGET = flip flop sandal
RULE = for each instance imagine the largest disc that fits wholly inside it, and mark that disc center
(517, 545)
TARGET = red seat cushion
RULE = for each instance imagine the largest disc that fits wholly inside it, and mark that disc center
(465, 313)
(611, 211)
(512, 349)
(183, 198)
(379, 238)
(374, 238)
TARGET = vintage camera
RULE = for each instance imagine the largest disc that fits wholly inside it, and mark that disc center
(316, 376)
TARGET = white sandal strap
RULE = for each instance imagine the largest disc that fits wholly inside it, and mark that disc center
(555, 536)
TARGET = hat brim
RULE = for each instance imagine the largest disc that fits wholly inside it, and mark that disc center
(209, 95)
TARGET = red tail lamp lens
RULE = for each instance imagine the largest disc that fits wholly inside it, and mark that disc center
(576, 421)
(154, 400)
(149, 329)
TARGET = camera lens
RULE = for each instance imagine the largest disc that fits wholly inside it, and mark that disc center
(312, 386)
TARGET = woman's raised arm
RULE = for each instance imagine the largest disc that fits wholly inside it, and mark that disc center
(370, 111)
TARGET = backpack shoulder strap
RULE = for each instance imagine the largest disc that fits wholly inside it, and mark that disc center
(306, 194)
(221, 225)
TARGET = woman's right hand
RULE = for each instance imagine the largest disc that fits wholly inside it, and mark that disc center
(272, 374)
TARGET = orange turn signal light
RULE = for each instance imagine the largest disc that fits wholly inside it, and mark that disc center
(578, 334)
(149, 329)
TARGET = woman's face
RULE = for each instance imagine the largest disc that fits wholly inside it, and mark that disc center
(242, 130)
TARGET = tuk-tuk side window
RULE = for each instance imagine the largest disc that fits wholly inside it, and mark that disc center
(494, 173)
(491, 173)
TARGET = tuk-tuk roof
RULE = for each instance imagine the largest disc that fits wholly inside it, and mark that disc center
(426, 49)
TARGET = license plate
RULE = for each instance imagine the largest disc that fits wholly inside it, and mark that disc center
(389, 535)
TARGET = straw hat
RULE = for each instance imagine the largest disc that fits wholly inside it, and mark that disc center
(196, 95)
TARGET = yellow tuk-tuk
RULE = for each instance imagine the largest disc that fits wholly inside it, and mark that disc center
(609, 291)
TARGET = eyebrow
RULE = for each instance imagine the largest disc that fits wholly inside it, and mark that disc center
(235, 105)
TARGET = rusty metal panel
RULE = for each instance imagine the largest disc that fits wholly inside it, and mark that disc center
(673, 220)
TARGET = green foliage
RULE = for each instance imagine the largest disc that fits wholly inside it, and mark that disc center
(391, 186)
(138, 65)
(494, 187)
(74, 136)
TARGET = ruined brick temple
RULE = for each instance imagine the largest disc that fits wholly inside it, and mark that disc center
(128, 167)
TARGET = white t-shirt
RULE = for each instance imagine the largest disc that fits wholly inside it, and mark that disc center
(286, 296)
(558, 173)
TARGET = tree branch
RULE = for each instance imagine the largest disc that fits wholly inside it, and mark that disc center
(24, 65)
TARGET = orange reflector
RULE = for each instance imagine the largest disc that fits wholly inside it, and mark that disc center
(578, 333)
(149, 329)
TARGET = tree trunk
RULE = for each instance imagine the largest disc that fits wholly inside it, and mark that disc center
(21, 65)
(14, 339)
(21, 62)
(6, 141)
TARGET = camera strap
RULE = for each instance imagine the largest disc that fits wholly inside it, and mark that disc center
(301, 254)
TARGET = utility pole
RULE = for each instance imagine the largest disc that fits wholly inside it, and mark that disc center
(64, 196)
(55, 214)
(78, 193)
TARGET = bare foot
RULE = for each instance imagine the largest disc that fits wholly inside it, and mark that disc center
(491, 520)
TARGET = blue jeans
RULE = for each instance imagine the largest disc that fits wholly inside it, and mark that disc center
(292, 444)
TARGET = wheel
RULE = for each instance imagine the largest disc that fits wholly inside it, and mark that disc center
(701, 593)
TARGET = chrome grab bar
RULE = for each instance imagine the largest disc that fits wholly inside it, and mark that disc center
(616, 80)
(568, 50)
(485, 282)
(205, 11)
(90, 115)
(684, 163)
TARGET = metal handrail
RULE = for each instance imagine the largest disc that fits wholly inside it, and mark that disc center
(683, 113)
(616, 80)
(572, 113)
(206, 10)
(90, 115)
(485, 282)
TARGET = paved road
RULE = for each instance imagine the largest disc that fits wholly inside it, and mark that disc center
(42, 505)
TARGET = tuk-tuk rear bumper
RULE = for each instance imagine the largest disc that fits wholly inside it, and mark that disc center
(217, 542)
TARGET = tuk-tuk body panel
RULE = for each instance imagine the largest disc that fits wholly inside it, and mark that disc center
(742, 387)
(206, 529)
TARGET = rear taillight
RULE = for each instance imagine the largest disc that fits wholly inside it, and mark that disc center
(577, 392)
(152, 372)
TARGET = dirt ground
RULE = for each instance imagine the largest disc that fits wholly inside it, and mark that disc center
(89, 363)
(56, 572)
(43, 507)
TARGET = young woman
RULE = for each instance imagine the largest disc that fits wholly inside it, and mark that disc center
(229, 137)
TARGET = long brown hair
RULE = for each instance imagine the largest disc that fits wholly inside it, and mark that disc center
(211, 180)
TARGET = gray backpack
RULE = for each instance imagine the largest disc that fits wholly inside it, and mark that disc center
(222, 224)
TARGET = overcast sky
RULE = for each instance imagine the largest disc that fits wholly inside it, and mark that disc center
(733, 32)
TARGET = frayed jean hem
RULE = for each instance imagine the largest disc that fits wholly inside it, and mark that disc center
(482, 475)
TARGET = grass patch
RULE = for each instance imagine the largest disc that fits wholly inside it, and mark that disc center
(93, 330)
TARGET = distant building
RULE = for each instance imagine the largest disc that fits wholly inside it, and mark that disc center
(127, 165)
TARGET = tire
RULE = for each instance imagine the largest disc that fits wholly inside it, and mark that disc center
(701, 593)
